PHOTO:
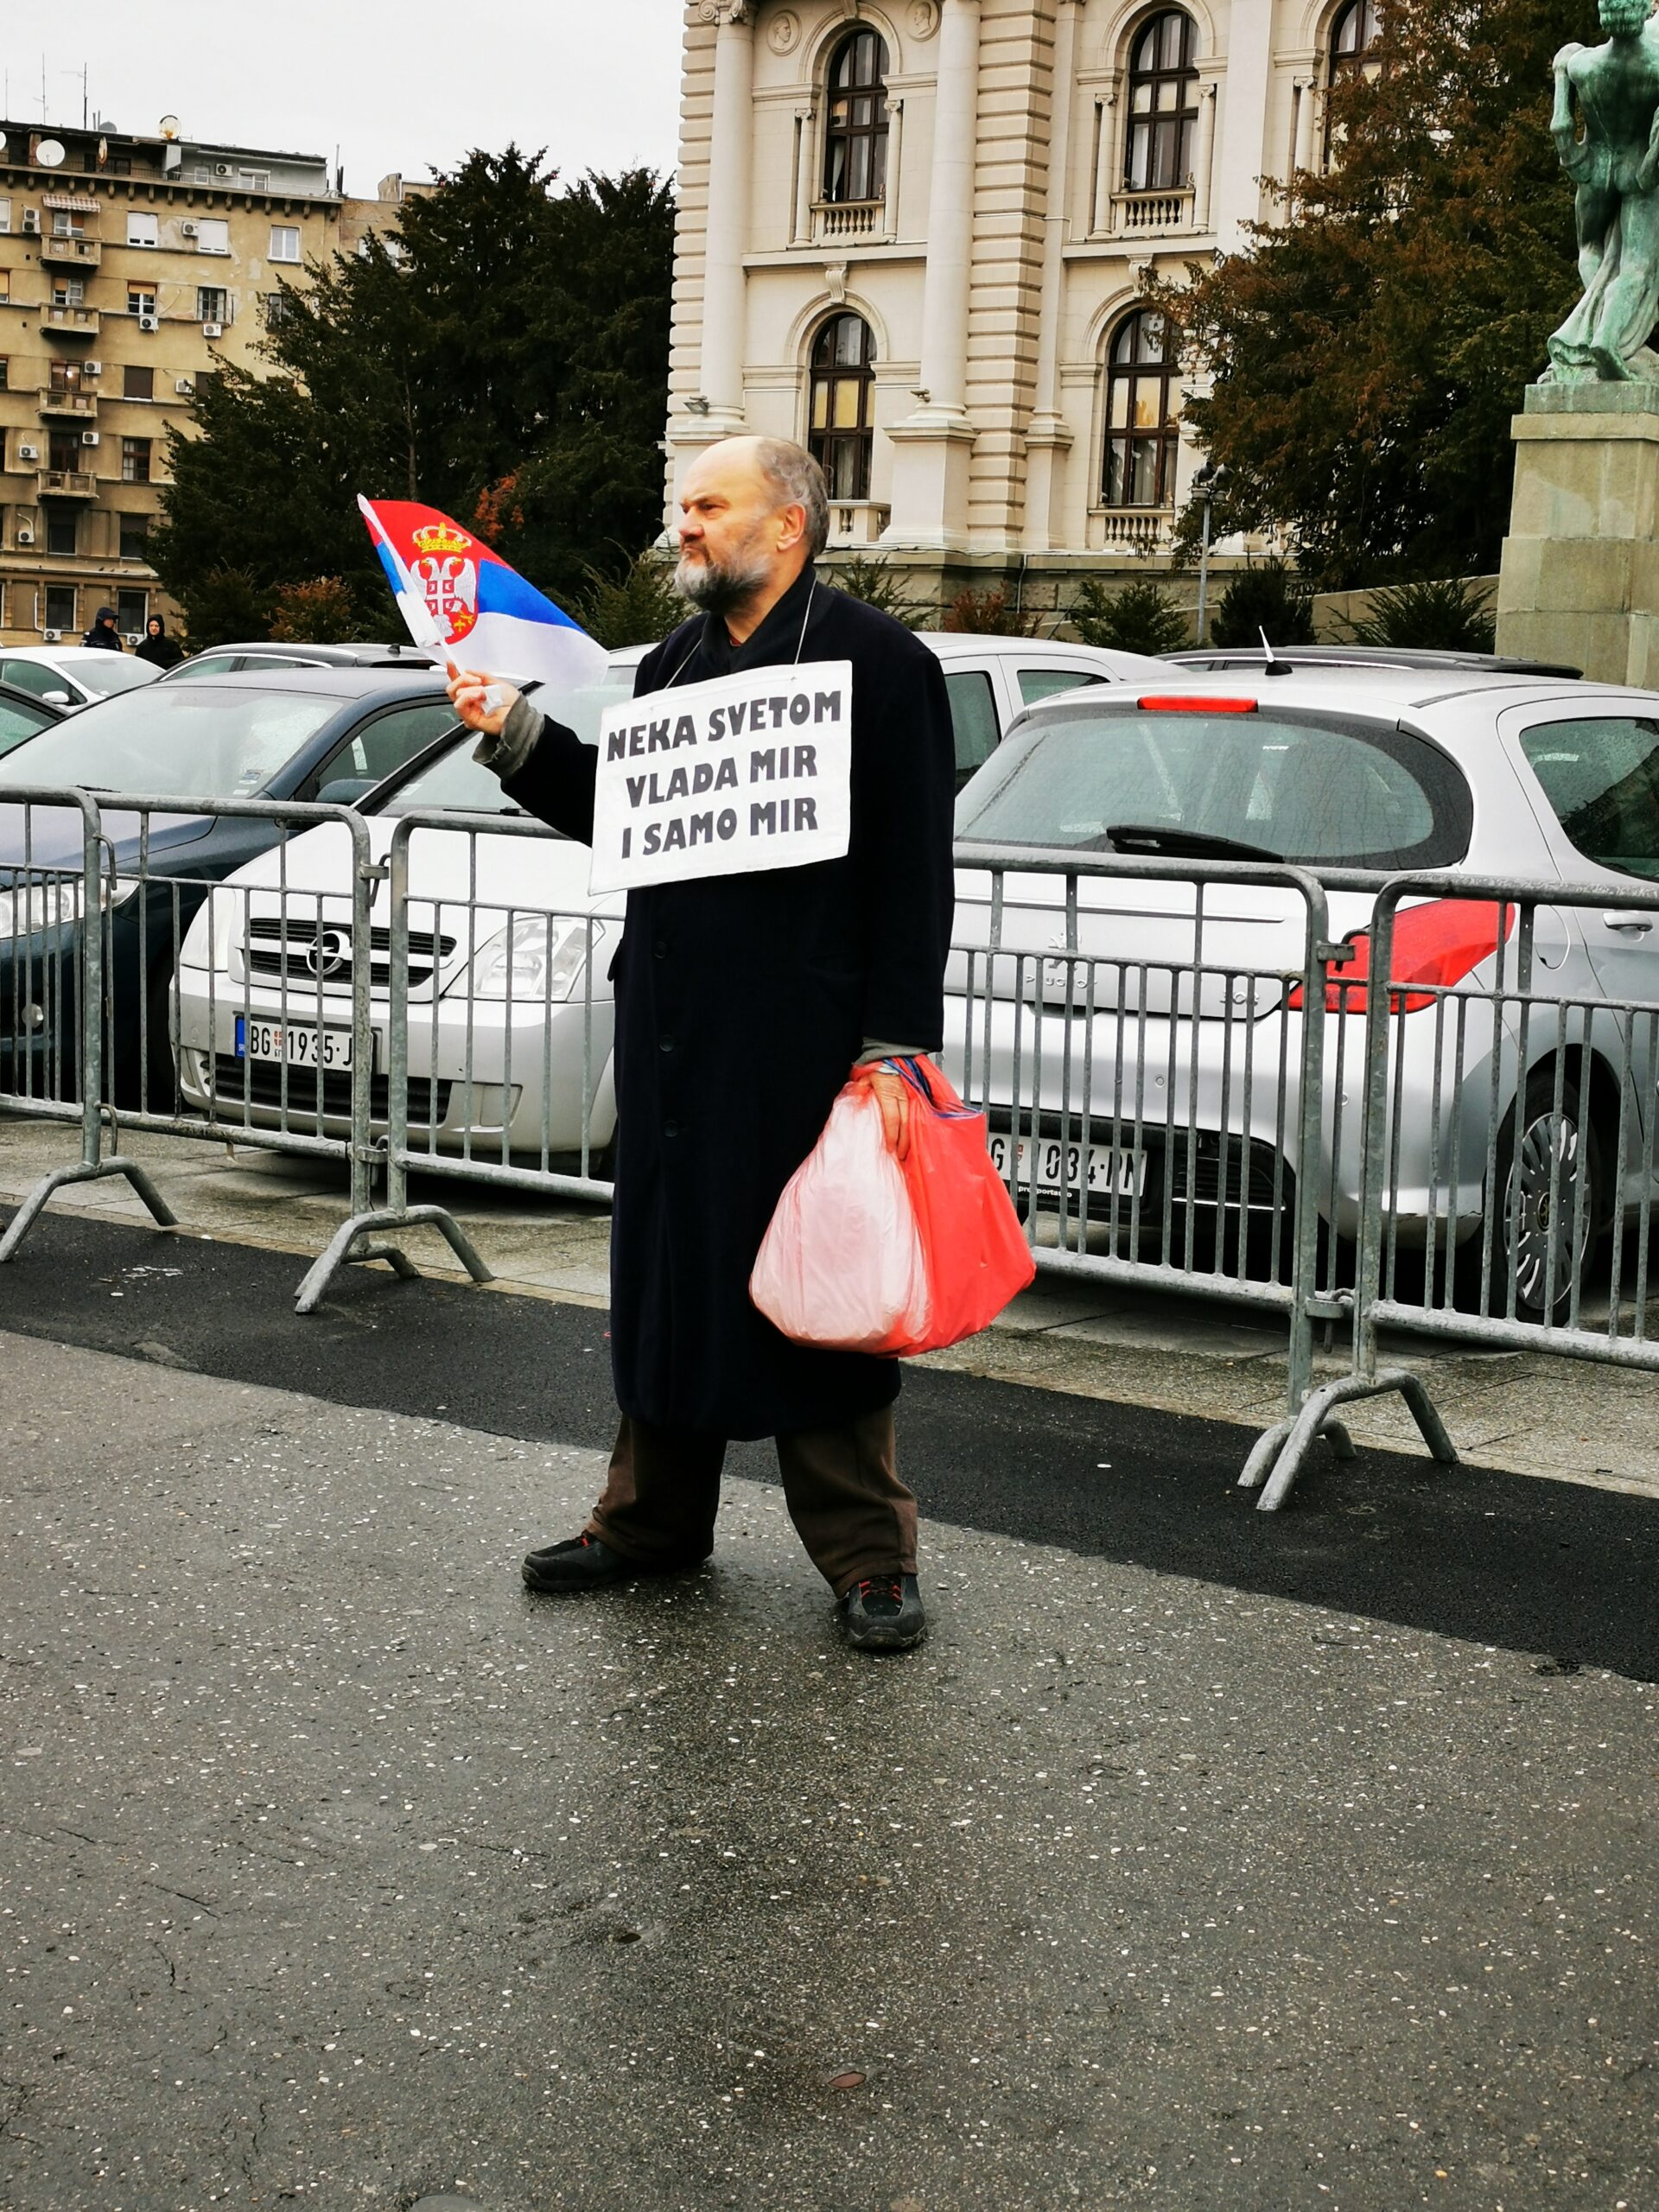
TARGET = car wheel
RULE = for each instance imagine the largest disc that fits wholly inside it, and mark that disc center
(1549, 1202)
(160, 1068)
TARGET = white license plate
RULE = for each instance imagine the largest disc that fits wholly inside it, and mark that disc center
(302, 1044)
(1058, 1165)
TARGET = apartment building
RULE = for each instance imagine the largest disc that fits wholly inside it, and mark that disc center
(131, 270)
(914, 234)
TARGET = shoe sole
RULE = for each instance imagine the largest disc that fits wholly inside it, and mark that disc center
(539, 1589)
(879, 1644)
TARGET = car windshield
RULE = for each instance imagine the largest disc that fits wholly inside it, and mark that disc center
(204, 741)
(1222, 785)
(110, 672)
(456, 781)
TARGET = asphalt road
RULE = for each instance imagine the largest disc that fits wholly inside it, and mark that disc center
(1198, 1859)
(1567, 1573)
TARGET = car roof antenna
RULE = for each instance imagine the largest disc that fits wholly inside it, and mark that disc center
(1270, 665)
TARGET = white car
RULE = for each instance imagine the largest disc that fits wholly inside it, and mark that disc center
(72, 676)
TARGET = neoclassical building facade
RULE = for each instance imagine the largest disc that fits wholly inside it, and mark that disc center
(913, 235)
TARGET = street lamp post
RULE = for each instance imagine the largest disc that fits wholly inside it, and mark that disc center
(1208, 485)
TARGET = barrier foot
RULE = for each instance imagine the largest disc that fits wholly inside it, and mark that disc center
(348, 1248)
(1277, 1459)
(84, 1172)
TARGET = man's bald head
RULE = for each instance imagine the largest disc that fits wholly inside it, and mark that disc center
(755, 513)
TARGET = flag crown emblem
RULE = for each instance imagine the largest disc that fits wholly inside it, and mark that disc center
(441, 537)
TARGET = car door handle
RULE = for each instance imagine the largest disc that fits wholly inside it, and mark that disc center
(1630, 925)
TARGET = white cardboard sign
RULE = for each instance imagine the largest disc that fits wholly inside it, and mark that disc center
(725, 778)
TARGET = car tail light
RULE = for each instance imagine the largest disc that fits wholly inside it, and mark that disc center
(1201, 703)
(1437, 943)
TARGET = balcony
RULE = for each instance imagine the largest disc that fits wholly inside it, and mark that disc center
(70, 322)
(82, 406)
(66, 484)
(1141, 531)
(857, 522)
(834, 221)
(1151, 214)
(70, 252)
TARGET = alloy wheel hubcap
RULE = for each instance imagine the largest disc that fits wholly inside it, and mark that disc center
(1550, 1223)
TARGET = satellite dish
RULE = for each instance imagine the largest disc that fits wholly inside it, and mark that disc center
(49, 153)
(3, 141)
(169, 126)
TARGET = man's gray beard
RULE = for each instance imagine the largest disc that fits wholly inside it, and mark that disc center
(717, 589)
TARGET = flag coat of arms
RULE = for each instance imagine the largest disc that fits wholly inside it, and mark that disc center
(478, 607)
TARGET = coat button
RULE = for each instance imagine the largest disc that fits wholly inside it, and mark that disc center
(659, 948)
(665, 1044)
(671, 1128)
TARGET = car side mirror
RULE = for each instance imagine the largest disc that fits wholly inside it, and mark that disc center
(56, 698)
(346, 791)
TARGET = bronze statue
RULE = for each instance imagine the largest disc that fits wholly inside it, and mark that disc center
(1609, 149)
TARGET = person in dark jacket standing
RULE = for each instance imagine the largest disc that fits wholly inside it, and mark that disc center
(160, 650)
(743, 1001)
(104, 632)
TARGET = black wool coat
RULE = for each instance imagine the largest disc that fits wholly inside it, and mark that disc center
(741, 1003)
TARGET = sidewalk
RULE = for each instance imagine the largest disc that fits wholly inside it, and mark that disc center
(1526, 1413)
(335, 1871)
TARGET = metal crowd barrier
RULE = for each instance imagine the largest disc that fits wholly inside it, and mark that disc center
(1510, 1139)
(1161, 1112)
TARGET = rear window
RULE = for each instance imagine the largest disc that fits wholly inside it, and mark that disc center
(1037, 683)
(1286, 786)
(973, 719)
(1601, 778)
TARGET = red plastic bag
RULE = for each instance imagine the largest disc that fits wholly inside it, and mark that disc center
(867, 1252)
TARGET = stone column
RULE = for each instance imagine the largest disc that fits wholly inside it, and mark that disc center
(726, 224)
(895, 154)
(1580, 579)
(929, 469)
(801, 220)
(1049, 435)
(1306, 99)
(1204, 158)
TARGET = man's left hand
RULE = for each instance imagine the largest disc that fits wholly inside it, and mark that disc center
(892, 1097)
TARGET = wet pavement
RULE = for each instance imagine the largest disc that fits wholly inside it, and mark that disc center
(335, 1869)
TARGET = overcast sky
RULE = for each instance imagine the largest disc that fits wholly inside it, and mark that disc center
(411, 86)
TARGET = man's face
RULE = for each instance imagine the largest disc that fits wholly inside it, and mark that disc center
(730, 526)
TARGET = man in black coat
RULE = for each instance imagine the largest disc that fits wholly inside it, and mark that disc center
(742, 1002)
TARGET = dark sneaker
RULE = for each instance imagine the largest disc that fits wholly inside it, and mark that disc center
(582, 1563)
(884, 1614)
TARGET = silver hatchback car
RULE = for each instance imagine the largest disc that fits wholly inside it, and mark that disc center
(1139, 1054)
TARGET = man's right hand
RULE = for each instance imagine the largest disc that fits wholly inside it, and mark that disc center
(482, 701)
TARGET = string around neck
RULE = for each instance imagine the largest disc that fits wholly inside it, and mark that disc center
(800, 642)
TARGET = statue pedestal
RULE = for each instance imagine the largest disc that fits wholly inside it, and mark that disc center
(1580, 579)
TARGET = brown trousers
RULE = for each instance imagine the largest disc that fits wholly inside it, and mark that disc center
(850, 1509)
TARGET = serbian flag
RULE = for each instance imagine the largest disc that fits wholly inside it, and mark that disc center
(463, 601)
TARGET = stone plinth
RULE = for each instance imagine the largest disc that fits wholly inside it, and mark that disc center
(1580, 579)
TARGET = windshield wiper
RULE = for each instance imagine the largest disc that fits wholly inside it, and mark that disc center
(1171, 842)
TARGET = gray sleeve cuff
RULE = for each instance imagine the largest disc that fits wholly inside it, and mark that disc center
(505, 753)
(873, 1051)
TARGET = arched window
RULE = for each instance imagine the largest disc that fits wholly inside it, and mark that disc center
(1353, 33)
(855, 122)
(1142, 432)
(842, 412)
(1163, 104)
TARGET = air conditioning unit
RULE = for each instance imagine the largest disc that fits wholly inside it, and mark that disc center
(212, 330)
(29, 453)
(89, 437)
(185, 386)
(223, 169)
(149, 323)
(134, 637)
(186, 229)
(32, 221)
(92, 368)
(53, 637)
(25, 535)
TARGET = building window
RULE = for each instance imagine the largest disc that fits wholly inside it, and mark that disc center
(67, 225)
(131, 610)
(135, 529)
(62, 533)
(275, 308)
(212, 235)
(855, 127)
(135, 460)
(1353, 35)
(60, 607)
(64, 375)
(843, 409)
(5, 372)
(136, 383)
(5, 217)
(284, 242)
(141, 299)
(63, 453)
(1163, 105)
(5, 283)
(68, 292)
(1140, 426)
(213, 303)
(143, 230)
